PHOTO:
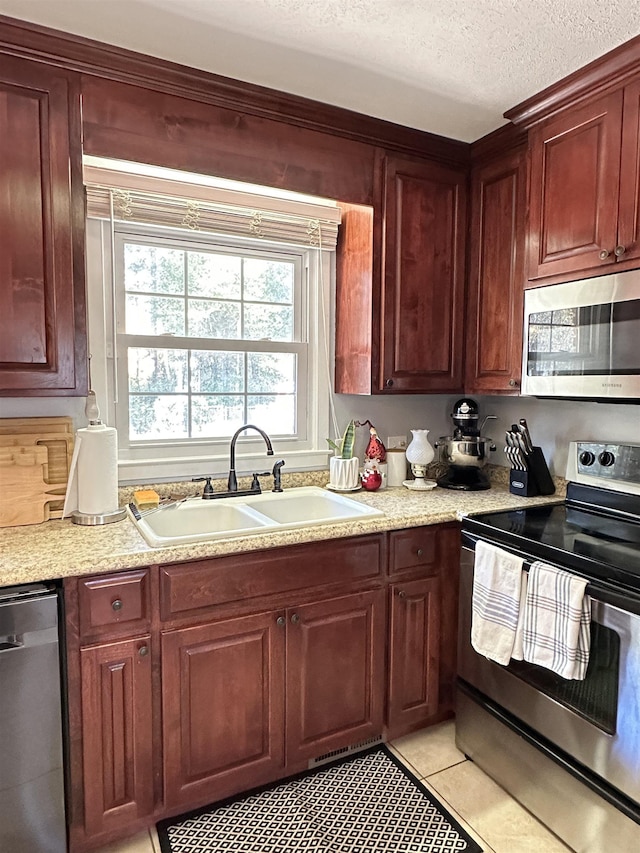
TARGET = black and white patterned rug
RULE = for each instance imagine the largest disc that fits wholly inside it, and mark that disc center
(364, 804)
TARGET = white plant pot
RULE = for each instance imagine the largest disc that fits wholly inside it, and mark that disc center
(344, 473)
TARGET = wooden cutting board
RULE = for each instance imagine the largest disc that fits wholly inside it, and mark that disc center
(56, 435)
(24, 492)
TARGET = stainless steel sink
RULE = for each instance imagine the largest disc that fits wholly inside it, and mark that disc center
(197, 520)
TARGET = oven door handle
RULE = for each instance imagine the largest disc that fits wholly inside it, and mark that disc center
(604, 591)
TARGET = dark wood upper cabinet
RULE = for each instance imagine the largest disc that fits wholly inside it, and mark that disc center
(575, 174)
(629, 209)
(42, 305)
(585, 186)
(421, 326)
(496, 275)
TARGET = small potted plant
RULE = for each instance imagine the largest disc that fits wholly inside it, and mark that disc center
(344, 466)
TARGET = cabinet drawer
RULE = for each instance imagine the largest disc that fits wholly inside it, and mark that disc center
(412, 549)
(225, 580)
(114, 604)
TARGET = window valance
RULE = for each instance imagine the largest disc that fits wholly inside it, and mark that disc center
(131, 197)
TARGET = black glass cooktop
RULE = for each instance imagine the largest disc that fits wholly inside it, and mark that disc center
(589, 540)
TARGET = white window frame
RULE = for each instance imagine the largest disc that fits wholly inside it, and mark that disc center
(169, 461)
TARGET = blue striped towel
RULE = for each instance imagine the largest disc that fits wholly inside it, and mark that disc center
(497, 578)
(557, 621)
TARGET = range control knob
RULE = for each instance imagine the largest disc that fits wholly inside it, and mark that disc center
(587, 457)
(606, 458)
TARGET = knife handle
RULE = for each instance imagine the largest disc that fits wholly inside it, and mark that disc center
(526, 435)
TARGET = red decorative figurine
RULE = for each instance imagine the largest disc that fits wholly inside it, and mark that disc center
(375, 449)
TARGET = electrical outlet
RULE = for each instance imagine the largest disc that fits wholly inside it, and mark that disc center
(396, 441)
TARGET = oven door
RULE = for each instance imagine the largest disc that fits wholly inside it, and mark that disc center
(596, 721)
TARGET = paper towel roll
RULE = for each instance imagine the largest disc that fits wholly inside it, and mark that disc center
(93, 477)
(396, 467)
(98, 470)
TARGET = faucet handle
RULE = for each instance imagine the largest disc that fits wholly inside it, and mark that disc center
(208, 490)
(255, 482)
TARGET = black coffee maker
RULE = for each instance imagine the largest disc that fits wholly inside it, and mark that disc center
(466, 452)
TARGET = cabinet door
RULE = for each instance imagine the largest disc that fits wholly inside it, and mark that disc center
(116, 734)
(41, 232)
(335, 674)
(414, 654)
(629, 211)
(496, 276)
(575, 174)
(223, 703)
(423, 280)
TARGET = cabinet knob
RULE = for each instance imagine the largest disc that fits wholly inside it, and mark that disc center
(143, 651)
(402, 593)
(388, 383)
(619, 251)
(117, 604)
(419, 552)
(513, 383)
(281, 621)
(604, 254)
(295, 618)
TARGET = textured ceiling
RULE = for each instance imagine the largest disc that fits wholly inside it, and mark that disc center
(449, 66)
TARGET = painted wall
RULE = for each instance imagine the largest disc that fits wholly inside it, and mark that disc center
(553, 423)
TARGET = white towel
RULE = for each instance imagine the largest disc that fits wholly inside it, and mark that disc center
(557, 621)
(497, 578)
(518, 646)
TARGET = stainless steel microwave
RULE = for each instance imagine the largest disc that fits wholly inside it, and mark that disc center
(582, 339)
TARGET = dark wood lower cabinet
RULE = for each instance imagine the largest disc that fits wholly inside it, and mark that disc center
(205, 680)
(222, 707)
(335, 674)
(414, 653)
(117, 730)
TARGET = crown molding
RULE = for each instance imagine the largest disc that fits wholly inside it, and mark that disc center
(613, 69)
(87, 56)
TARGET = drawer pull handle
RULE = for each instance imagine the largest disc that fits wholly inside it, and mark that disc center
(143, 651)
(388, 383)
(402, 593)
(281, 621)
(419, 552)
(117, 604)
(295, 618)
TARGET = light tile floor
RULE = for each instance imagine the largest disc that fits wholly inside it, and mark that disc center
(496, 821)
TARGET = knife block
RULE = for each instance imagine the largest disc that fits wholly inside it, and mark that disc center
(536, 480)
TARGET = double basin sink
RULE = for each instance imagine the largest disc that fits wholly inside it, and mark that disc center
(198, 520)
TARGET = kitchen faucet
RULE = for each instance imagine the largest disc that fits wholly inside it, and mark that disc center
(232, 482)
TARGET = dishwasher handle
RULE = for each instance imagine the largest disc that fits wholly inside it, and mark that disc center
(10, 642)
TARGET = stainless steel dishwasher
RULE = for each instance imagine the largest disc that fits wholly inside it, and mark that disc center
(32, 805)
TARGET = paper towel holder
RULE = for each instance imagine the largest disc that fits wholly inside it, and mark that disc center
(88, 519)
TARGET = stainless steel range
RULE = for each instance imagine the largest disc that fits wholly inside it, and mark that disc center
(568, 750)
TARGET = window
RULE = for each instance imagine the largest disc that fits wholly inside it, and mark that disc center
(212, 337)
(193, 334)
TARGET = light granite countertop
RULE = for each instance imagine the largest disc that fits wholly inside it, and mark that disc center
(58, 549)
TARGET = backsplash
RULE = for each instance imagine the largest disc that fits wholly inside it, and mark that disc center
(553, 423)
(497, 474)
